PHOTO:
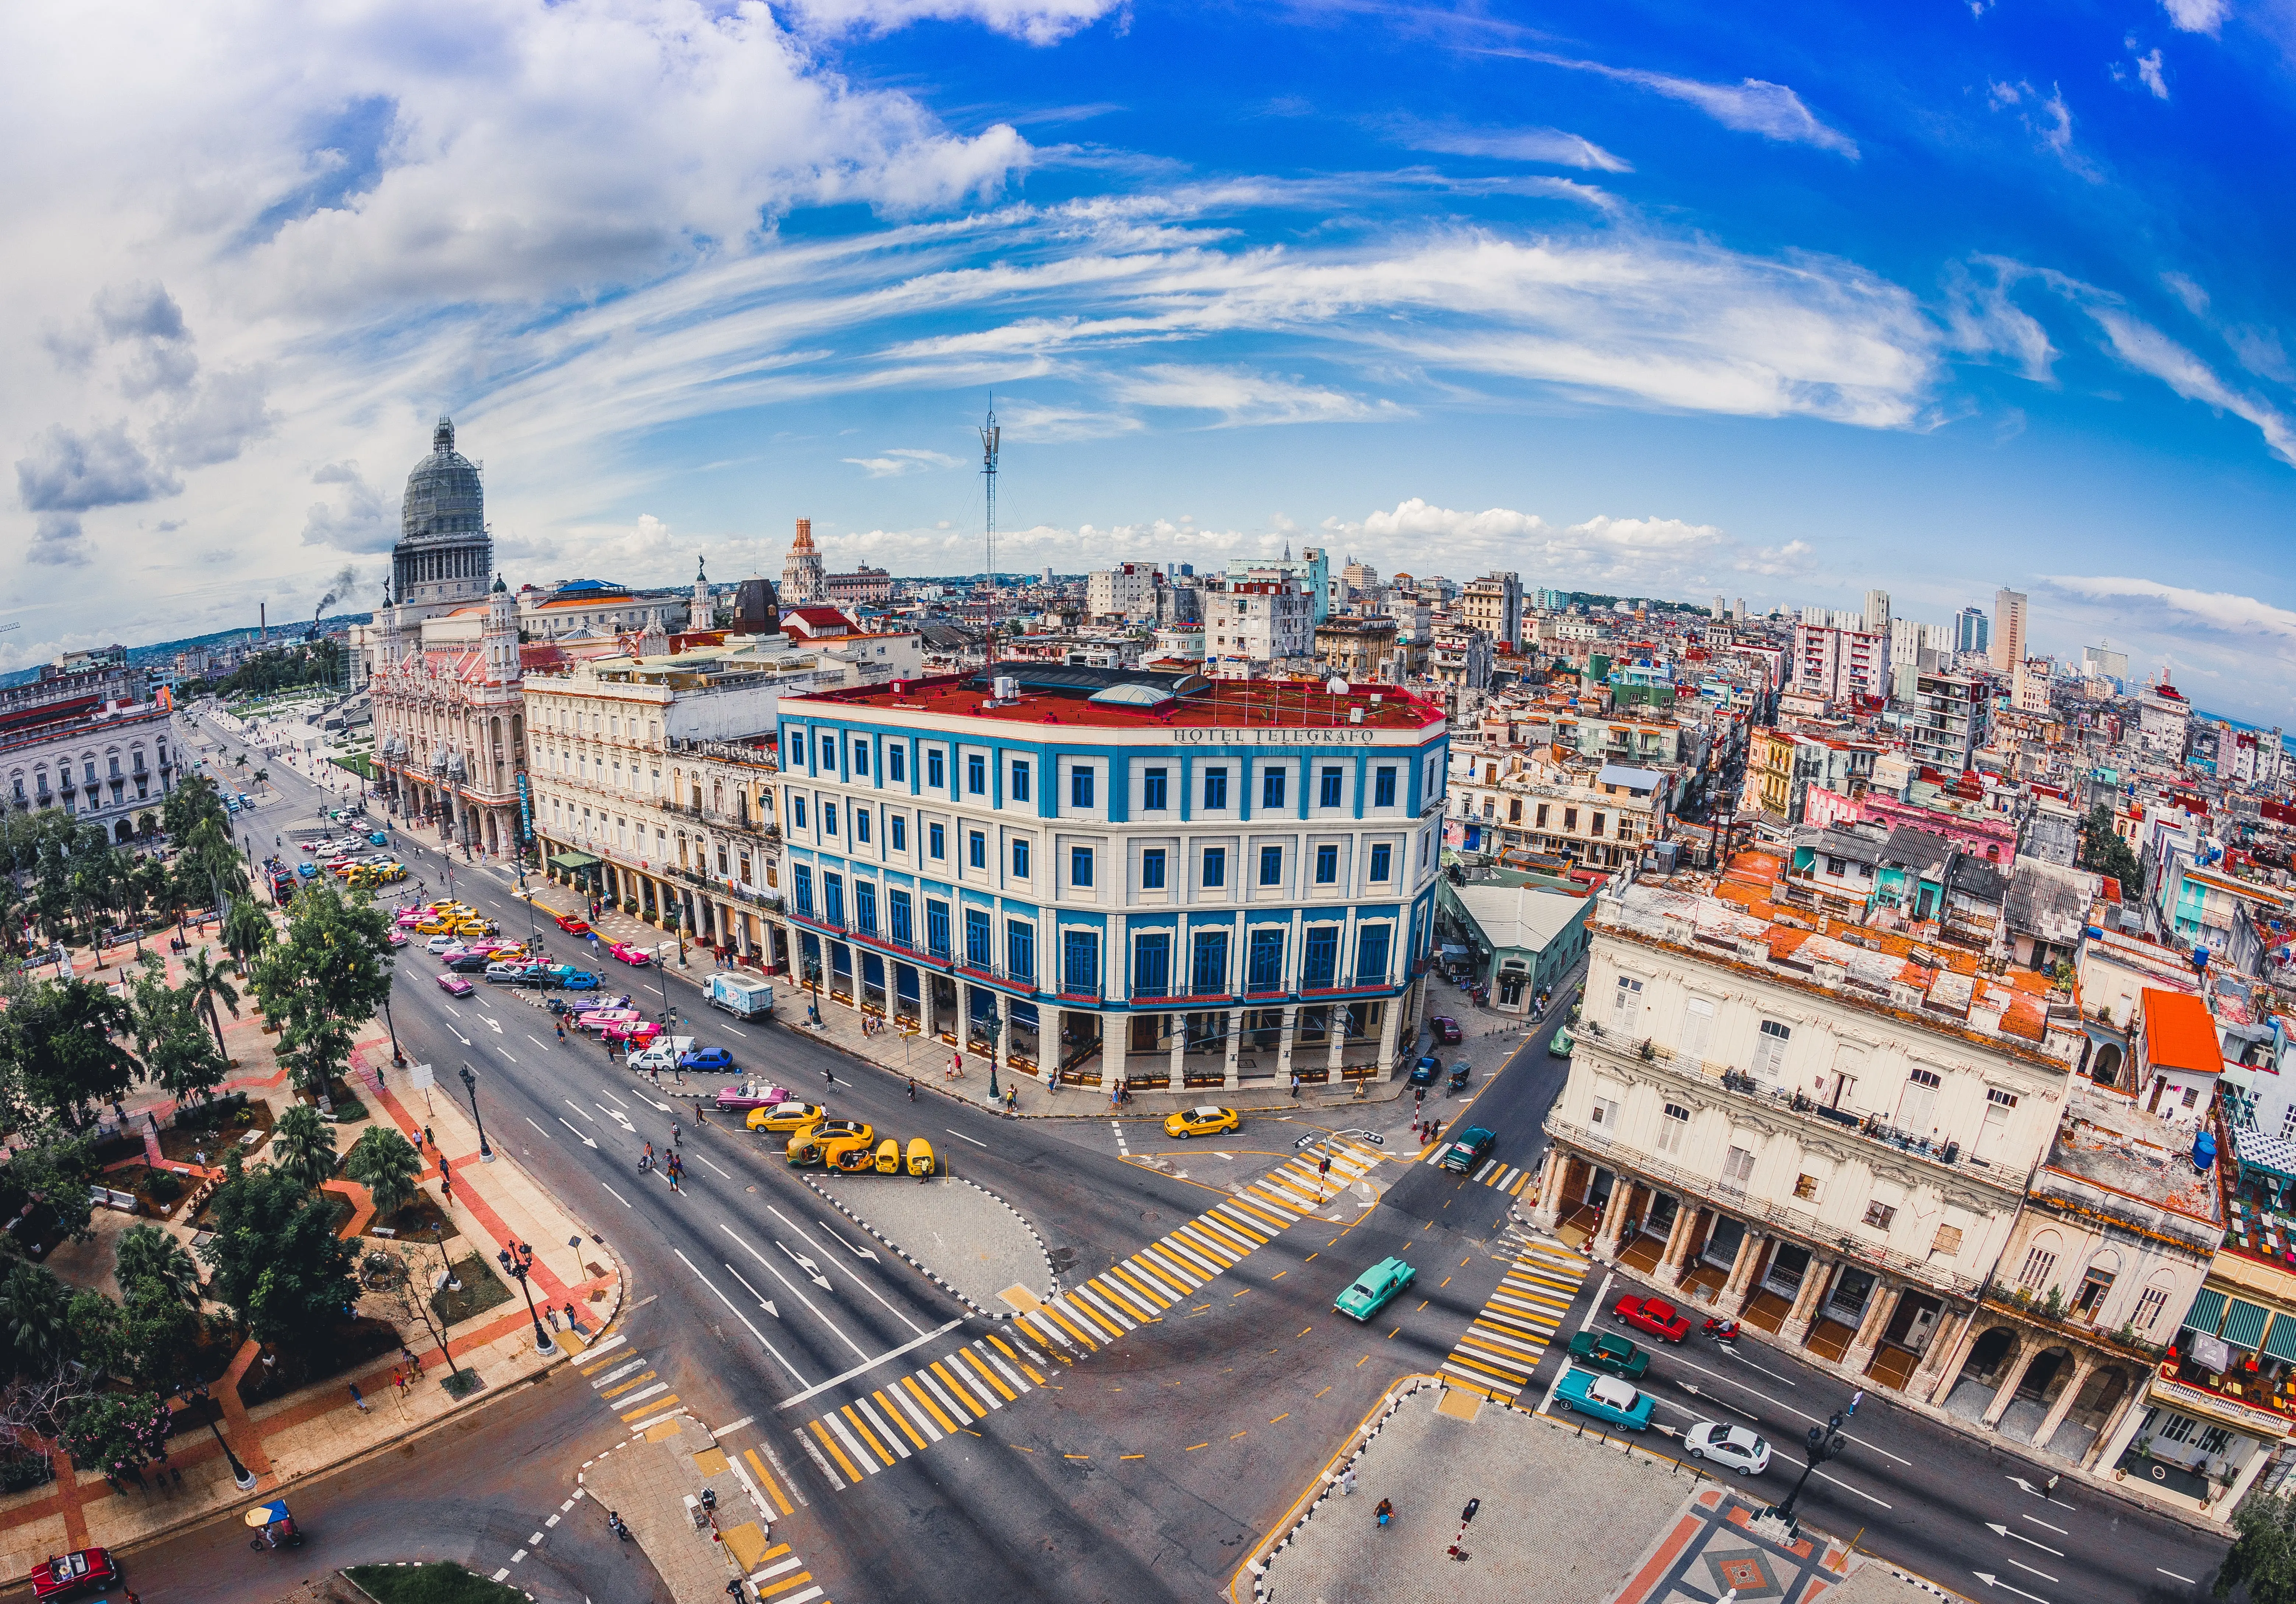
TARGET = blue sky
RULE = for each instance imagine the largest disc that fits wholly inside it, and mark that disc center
(1647, 299)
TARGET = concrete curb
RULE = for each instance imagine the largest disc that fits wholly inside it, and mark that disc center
(1262, 1558)
(926, 1271)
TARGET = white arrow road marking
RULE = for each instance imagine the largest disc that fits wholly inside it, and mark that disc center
(1790, 1409)
(1732, 1350)
(961, 1136)
(764, 1301)
(2005, 1587)
(491, 1023)
(585, 1113)
(1998, 1529)
(604, 1093)
(812, 1270)
(623, 1119)
(458, 1035)
(546, 1134)
(744, 1319)
(1664, 1431)
(2040, 1492)
(857, 1281)
(2037, 1521)
(571, 1126)
(773, 1270)
(2187, 1580)
(859, 1252)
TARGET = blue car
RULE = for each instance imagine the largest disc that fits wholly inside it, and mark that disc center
(1605, 1397)
(1425, 1072)
(378, 837)
(706, 1057)
(578, 980)
(310, 871)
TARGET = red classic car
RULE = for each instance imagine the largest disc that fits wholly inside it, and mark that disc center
(1447, 1029)
(68, 1575)
(1652, 1314)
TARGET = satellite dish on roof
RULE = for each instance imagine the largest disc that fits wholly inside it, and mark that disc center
(1336, 686)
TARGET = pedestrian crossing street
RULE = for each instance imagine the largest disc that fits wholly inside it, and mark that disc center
(628, 1383)
(1494, 1172)
(875, 1432)
(1495, 1355)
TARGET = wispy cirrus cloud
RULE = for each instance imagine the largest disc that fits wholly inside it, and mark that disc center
(900, 460)
(1751, 105)
(1549, 146)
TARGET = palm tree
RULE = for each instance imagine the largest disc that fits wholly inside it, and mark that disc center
(33, 1303)
(246, 931)
(386, 1165)
(149, 1254)
(209, 983)
(262, 776)
(303, 1145)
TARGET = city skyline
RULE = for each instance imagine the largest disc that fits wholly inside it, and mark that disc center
(1724, 313)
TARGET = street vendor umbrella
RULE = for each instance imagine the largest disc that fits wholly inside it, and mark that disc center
(264, 1515)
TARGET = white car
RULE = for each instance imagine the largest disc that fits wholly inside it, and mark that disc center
(1733, 1447)
(439, 946)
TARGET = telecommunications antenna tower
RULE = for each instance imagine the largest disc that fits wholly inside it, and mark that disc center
(990, 435)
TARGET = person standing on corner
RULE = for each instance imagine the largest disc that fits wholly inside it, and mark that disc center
(1385, 1511)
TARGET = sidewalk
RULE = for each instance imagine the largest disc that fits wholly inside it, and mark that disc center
(287, 1439)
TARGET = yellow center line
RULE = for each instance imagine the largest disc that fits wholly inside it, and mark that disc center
(1463, 1263)
(1075, 1456)
(1311, 1256)
(1193, 1447)
(1446, 1281)
(1279, 1275)
(1363, 1361)
(1305, 1330)
(1424, 1301)
(1233, 1434)
(1018, 1445)
(1281, 1418)
(1239, 1292)
(1390, 1336)
(968, 1431)
(1131, 1456)
(1325, 1390)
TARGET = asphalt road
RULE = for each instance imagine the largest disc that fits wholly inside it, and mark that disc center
(1089, 1487)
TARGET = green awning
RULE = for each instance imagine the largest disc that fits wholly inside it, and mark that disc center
(572, 860)
(2207, 1312)
(2244, 1328)
(2280, 1342)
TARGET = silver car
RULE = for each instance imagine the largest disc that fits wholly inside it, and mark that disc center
(1733, 1446)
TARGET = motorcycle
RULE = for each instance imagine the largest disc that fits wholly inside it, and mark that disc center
(1724, 1331)
(1458, 1080)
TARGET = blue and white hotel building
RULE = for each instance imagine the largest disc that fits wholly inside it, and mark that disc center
(1157, 877)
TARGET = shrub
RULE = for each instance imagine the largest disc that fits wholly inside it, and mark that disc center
(165, 1186)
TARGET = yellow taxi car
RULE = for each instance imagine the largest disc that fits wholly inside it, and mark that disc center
(787, 1116)
(433, 925)
(1205, 1121)
(824, 1143)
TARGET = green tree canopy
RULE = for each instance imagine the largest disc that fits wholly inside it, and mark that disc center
(2264, 1555)
(303, 1145)
(150, 1256)
(176, 1048)
(329, 971)
(386, 1165)
(209, 983)
(276, 1259)
(246, 931)
(2104, 853)
(56, 1043)
(53, 1176)
(116, 1433)
(35, 1318)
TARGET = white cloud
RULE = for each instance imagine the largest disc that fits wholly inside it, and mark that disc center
(361, 522)
(1982, 321)
(1037, 21)
(1603, 552)
(58, 541)
(1551, 147)
(71, 471)
(1241, 396)
(1751, 106)
(899, 460)
(2261, 352)
(2197, 16)
(1792, 560)
(2220, 612)
(2185, 289)
(2148, 72)
(2048, 118)
(2149, 351)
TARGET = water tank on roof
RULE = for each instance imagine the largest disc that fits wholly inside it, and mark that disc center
(1006, 688)
(2204, 1150)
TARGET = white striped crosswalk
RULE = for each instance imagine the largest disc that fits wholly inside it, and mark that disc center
(875, 1432)
(1495, 1355)
(1506, 1177)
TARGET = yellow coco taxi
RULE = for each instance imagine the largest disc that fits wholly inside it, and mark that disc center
(787, 1116)
(1206, 1120)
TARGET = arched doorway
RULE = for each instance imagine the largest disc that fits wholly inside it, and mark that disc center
(123, 832)
(2091, 1413)
(1980, 1378)
(2107, 1069)
(2048, 1374)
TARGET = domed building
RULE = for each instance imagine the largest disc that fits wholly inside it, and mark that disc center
(443, 554)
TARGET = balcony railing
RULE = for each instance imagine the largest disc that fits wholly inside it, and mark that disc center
(1738, 1083)
(1803, 1226)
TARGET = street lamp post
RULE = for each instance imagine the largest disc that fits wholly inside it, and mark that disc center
(470, 1084)
(398, 1058)
(1821, 1444)
(518, 1259)
(241, 1476)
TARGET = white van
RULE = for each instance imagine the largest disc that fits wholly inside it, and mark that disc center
(661, 1055)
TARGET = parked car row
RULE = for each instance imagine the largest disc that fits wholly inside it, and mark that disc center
(1603, 1368)
(849, 1145)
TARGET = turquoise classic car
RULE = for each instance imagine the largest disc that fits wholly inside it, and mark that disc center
(1605, 1397)
(1372, 1290)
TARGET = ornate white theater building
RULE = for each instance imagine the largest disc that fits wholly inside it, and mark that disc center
(443, 663)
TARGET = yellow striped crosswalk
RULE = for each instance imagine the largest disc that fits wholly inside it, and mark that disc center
(1496, 1354)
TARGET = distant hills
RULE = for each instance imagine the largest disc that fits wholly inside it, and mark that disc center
(161, 654)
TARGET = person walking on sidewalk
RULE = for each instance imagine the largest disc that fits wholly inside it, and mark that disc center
(356, 1399)
(1295, 1084)
(1011, 1102)
(1385, 1512)
(913, 1088)
(1347, 1482)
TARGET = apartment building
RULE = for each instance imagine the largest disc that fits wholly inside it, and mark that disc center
(1259, 620)
(1119, 876)
(1368, 650)
(90, 734)
(1493, 604)
(1601, 815)
(1827, 1136)
(2006, 647)
(1126, 592)
(1945, 719)
(1841, 665)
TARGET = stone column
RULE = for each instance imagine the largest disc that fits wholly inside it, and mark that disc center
(1964, 1344)
(1860, 1351)
(1390, 1029)
(1550, 1181)
(1283, 1046)
(1113, 1032)
(2114, 1440)
(1678, 1255)
(1614, 1216)
(1951, 1327)
(1177, 1076)
(2084, 1366)
(2013, 1374)
(1795, 1327)
(1339, 1046)
(1677, 1235)
(1753, 1253)
(1235, 1049)
(925, 1003)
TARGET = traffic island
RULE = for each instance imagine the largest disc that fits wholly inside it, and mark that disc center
(967, 1238)
(656, 1482)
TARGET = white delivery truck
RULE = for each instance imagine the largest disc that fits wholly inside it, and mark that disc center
(739, 995)
(661, 1054)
